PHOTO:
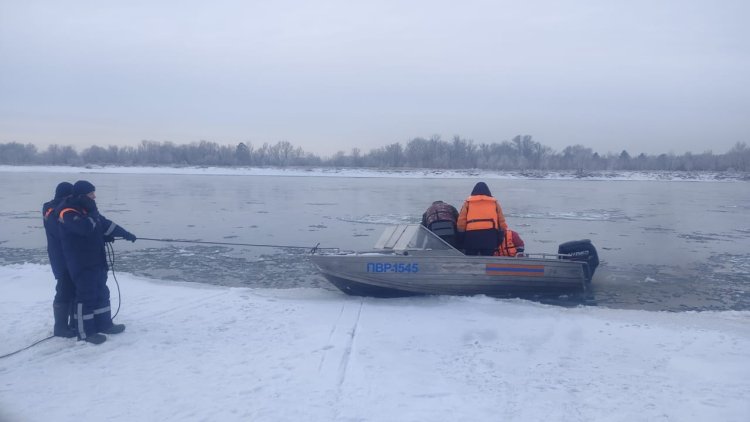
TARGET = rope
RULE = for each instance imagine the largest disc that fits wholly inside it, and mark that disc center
(312, 250)
(111, 256)
(27, 347)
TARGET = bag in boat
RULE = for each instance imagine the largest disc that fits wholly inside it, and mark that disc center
(581, 250)
(443, 228)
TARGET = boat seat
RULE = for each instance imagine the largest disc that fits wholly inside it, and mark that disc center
(443, 228)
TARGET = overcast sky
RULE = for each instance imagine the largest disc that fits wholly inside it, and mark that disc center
(646, 76)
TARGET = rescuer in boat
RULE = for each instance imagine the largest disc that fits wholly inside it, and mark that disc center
(511, 245)
(83, 232)
(62, 305)
(481, 222)
(440, 218)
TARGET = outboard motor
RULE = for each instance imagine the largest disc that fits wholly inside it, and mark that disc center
(581, 250)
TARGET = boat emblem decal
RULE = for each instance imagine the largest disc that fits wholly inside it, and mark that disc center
(515, 269)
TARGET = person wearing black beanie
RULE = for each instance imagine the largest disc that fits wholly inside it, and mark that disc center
(63, 189)
(83, 232)
(64, 289)
(83, 187)
(481, 223)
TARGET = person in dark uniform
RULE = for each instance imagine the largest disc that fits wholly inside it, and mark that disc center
(440, 218)
(62, 305)
(481, 222)
(83, 232)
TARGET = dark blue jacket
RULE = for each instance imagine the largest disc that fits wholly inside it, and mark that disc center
(82, 236)
(54, 246)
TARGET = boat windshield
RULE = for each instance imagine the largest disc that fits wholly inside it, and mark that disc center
(411, 237)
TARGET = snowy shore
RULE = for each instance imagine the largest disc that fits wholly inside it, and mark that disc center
(393, 173)
(197, 352)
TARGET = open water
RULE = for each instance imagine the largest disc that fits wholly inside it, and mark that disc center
(664, 245)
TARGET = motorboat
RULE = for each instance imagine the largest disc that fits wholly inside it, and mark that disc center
(410, 260)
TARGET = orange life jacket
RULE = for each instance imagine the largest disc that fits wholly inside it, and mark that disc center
(481, 213)
(507, 247)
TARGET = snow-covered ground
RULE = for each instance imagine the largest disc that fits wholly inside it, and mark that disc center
(405, 173)
(196, 352)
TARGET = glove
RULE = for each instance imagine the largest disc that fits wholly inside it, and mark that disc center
(129, 236)
(109, 239)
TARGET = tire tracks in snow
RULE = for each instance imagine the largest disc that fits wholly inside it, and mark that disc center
(346, 357)
(186, 305)
(342, 336)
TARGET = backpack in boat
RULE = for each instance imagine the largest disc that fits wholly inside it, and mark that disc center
(443, 228)
(440, 219)
(581, 250)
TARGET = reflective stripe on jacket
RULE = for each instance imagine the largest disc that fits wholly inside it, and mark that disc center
(82, 238)
(61, 214)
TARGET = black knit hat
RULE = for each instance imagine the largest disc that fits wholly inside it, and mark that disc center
(481, 189)
(63, 189)
(83, 187)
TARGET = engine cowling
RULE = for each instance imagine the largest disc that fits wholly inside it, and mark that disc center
(581, 250)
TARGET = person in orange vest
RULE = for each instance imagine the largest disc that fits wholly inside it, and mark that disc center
(481, 222)
(512, 244)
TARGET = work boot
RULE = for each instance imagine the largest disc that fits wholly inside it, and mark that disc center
(95, 338)
(87, 327)
(114, 329)
(103, 323)
(61, 312)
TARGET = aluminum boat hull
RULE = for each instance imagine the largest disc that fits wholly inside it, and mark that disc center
(393, 275)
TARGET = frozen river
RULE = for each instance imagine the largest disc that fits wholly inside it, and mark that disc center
(664, 245)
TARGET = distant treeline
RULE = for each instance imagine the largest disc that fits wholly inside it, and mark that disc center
(520, 153)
